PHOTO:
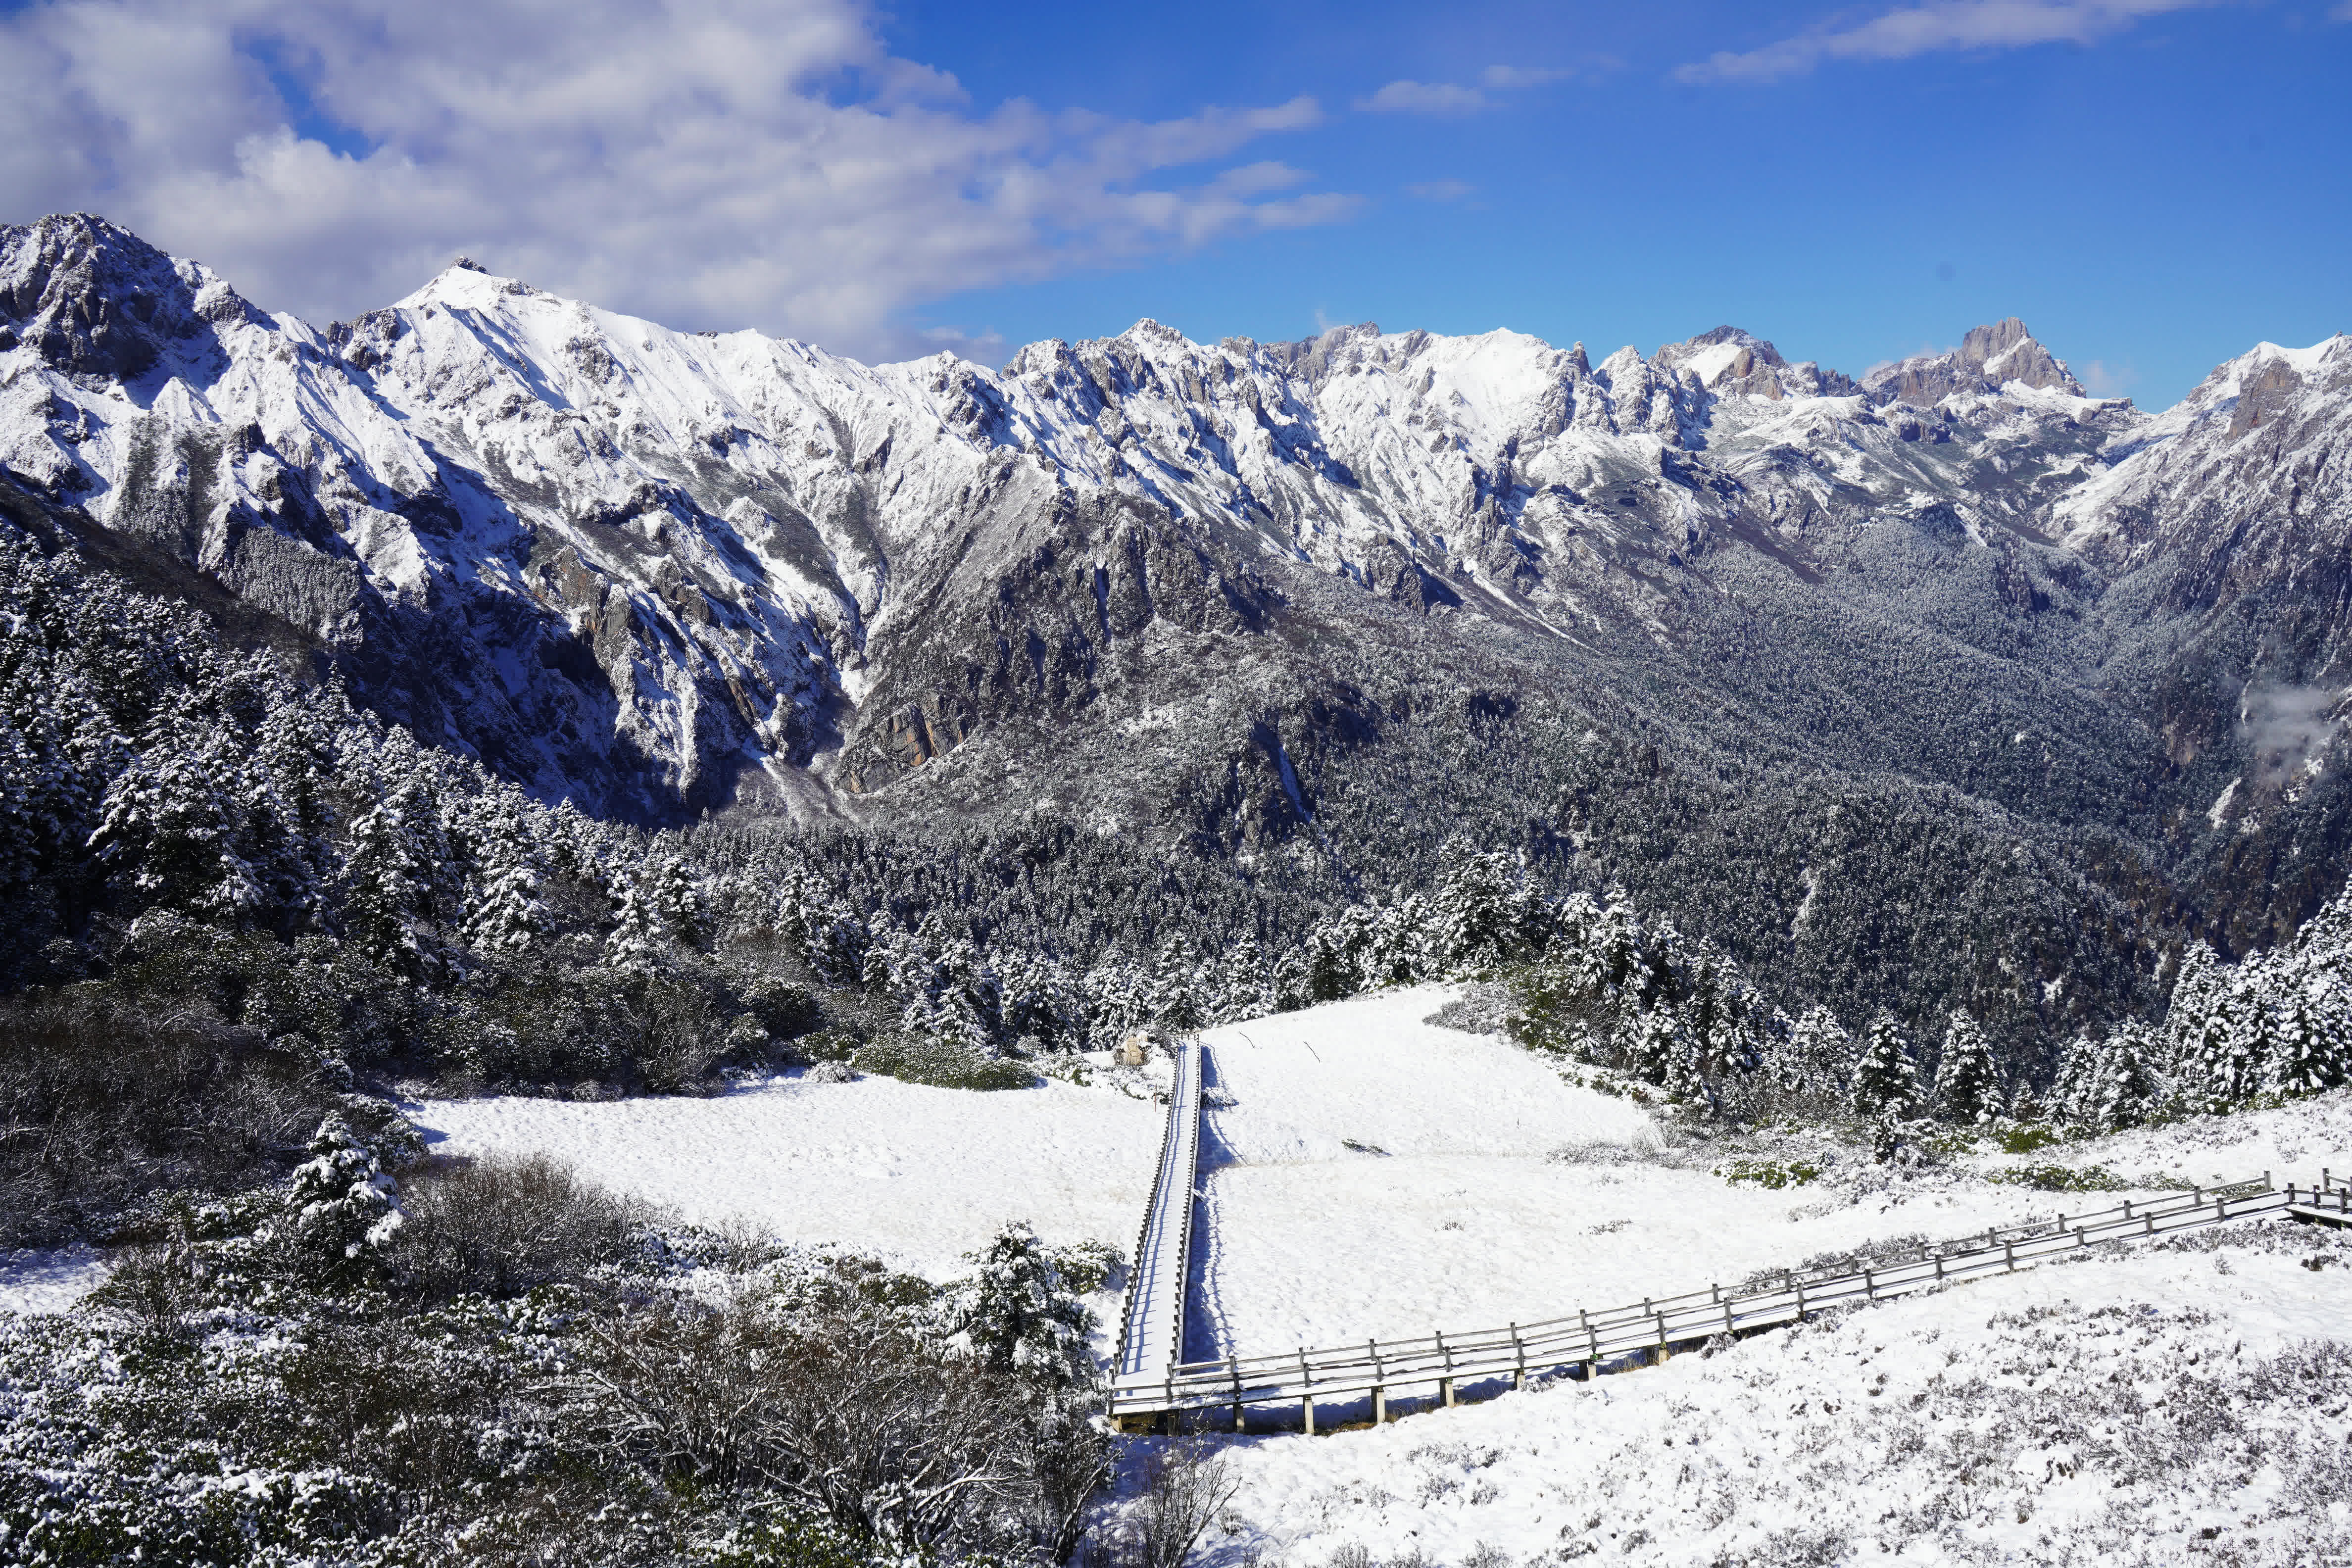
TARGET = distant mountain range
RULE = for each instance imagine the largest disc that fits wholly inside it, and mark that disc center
(1951, 677)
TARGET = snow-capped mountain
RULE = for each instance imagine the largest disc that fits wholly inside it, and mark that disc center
(664, 572)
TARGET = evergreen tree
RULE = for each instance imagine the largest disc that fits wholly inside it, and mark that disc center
(171, 822)
(2310, 1047)
(1817, 1061)
(385, 886)
(1967, 1079)
(1885, 1081)
(341, 1208)
(1013, 1312)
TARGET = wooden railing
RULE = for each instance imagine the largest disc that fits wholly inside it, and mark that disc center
(1448, 1363)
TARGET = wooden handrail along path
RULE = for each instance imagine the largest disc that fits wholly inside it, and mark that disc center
(1151, 1323)
(1152, 1392)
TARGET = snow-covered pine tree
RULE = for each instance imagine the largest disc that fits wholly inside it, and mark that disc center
(342, 1208)
(1659, 1048)
(1968, 1078)
(1013, 1312)
(2314, 1037)
(1481, 914)
(170, 822)
(1244, 985)
(1818, 1061)
(1885, 1081)
(503, 911)
(385, 887)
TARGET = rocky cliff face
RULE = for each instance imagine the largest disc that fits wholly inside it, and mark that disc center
(665, 573)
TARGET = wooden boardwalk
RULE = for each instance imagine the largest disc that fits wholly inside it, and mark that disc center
(1147, 1391)
(1151, 1323)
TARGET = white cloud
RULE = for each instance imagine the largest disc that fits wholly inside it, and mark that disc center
(1425, 98)
(1440, 190)
(2341, 12)
(708, 162)
(1409, 96)
(1942, 25)
(2102, 379)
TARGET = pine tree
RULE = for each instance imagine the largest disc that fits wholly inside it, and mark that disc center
(169, 825)
(1968, 1078)
(1013, 1314)
(1885, 1081)
(342, 1208)
(2310, 1048)
(1817, 1061)
(385, 885)
(1660, 1049)
(1480, 913)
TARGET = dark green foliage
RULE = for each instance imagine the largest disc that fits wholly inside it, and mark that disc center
(943, 1064)
(103, 1101)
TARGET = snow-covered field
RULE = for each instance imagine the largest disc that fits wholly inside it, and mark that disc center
(1450, 1212)
(917, 1176)
(49, 1280)
(2154, 1404)
(1370, 1175)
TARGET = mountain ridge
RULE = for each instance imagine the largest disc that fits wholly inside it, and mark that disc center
(1187, 592)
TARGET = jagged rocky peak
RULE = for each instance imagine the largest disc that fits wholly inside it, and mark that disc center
(1729, 361)
(1989, 357)
(92, 298)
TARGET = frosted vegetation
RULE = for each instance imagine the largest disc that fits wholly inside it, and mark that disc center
(240, 910)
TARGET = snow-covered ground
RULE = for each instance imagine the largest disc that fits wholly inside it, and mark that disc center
(49, 1280)
(1450, 1210)
(1371, 1174)
(916, 1175)
(2154, 1402)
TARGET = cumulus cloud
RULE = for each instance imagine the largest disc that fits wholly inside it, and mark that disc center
(1941, 26)
(706, 162)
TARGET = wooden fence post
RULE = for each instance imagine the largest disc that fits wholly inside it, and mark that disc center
(1593, 1345)
(1307, 1390)
(1519, 1360)
(1445, 1383)
(1234, 1365)
(1380, 1384)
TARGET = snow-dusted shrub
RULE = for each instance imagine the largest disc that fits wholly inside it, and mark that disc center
(501, 1225)
(1182, 1488)
(109, 1101)
(833, 1402)
(940, 1063)
(1087, 1266)
(2063, 1178)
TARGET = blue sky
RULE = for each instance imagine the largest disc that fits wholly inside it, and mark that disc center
(2154, 185)
(2153, 202)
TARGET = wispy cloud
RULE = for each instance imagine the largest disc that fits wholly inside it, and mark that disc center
(1409, 96)
(708, 162)
(2341, 12)
(2103, 379)
(1938, 28)
(1440, 190)
(1426, 98)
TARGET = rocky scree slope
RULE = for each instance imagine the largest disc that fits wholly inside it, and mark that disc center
(1652, 614)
